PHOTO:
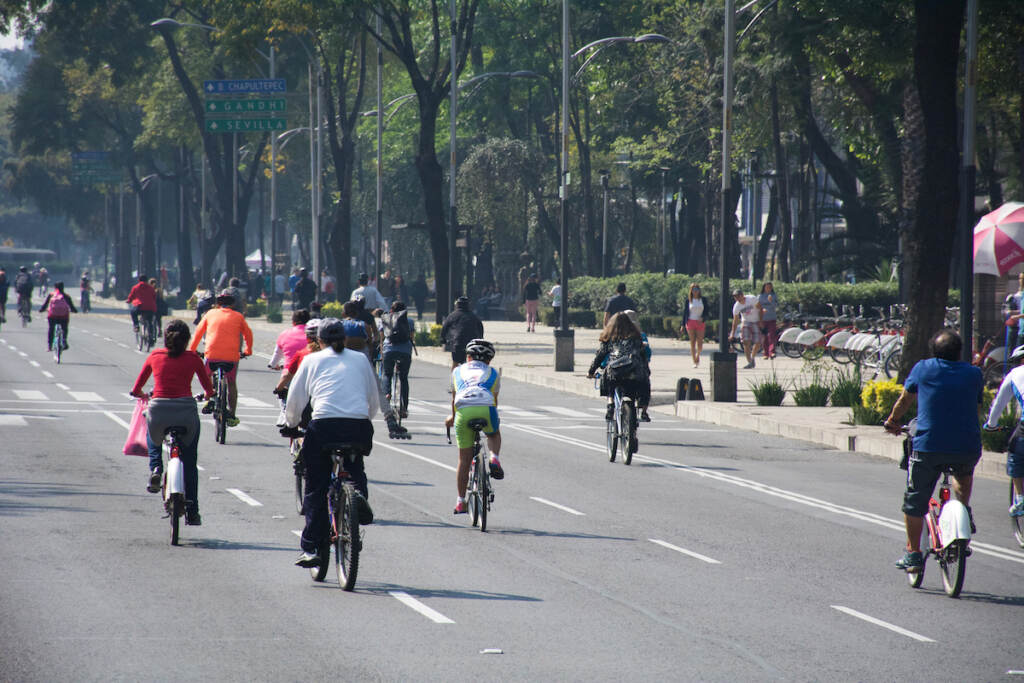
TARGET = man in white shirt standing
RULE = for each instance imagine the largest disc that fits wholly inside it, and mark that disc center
(368, 292)
(747, 310)
(342, 389)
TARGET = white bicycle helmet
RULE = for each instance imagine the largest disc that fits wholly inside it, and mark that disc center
(480, 349)
(1017, 353)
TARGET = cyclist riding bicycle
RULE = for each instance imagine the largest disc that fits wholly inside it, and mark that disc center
(5, 284)
(58, 309)
(23, 287)
(621, 339)
(396, 352)
(142, 300)
(1012, 388)
(223, 329)
(172, 405)
(342, 389)
(311, 330)
(475, 387)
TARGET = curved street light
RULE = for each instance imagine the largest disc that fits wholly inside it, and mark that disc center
(613, 40)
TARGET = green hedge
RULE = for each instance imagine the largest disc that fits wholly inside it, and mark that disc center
(665, 295)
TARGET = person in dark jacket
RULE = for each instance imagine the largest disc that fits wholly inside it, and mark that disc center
(459, 328)
(696, 313)
(619, 338)
(418, 292)
(305, 291)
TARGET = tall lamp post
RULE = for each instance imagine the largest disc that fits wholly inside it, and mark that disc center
(723, 361)
(604, 224)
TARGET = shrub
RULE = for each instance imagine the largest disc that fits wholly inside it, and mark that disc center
(274, 316)
(846, 388)
(881, 395)
(428, 335)
(255, 309)
(996, 441)
(332, 309)
(813, 394)
(864, 415)
(768, 391)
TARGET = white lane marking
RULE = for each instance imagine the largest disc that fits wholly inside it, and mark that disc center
(870, 517)
(266, 356)
(684, 551)
(250, 402)
(116, 419)
(563, 508)
(12, 348)
(22, 354)
(86, 396)
(34, 363)
(202, 469)
(244, 497)
(123, 346)
(63, 387)
(107, 339)
(13, 421)
(415, 604)
(47, 374)
(559, 410)
(1015, 672)
(884, 624)
(297, 532)
(29, 394)
(519, 412)
(414, 455)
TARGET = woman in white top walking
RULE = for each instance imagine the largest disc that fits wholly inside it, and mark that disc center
(695, 315)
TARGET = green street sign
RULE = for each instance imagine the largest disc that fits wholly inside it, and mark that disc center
(245, 106)
(243, 125)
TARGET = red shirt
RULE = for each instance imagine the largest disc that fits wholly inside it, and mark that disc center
(293, 364)
(143, 296)
(172, 377)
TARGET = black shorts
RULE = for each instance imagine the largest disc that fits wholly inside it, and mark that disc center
(924, 471)
(459, 354)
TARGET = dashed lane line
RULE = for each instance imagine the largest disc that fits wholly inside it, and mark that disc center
(558, 506)
(884, 624)
(86, 396)
(684, 551)
(47, 374)
(244, 497)
(116, 419)
(63, 387)
(414, 455)
(415, 604)
(29, 394)
(34, 363)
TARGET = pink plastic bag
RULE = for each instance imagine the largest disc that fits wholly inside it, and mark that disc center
(136, 442)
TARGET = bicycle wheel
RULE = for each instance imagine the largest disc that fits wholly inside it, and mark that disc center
(473, 499)
(140, 334)
(220, 411)
(396, 395)
(484, 489)
(892, 363)
(299, 469)
(58, 343)
(627, 436)
(994, 374)
(953, 565)
(1017, 522)
(347, 544)
(175, 508)
(812, 352)
(611, 439)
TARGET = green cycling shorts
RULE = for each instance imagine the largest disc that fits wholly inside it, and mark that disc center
(463, 434)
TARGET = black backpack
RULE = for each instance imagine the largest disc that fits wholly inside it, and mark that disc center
(624, 364)
(23, 283)
(399, 324)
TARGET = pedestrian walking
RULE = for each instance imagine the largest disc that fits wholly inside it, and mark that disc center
(746, 317)
(556, 301)
(531, 301)
(696, 312)
(769, 301)
(618, 303)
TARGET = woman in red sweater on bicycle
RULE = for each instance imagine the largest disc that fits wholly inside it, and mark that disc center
(172, 405)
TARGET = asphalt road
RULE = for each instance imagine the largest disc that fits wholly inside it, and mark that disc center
(717, 555)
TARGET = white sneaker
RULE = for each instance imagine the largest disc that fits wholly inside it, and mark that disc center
(1017, 509)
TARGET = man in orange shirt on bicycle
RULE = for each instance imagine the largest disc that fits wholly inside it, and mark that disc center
(224, 329)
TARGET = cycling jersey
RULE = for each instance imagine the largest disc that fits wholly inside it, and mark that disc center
(143, 297)
(476, 384)
(289, 342)
(223, 328)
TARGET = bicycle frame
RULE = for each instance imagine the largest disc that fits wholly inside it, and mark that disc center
(947, 518)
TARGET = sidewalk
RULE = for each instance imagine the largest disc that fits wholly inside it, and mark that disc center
(529, 357)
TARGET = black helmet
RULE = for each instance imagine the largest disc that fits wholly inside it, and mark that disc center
(226, 297)
(331, 330)
(480, 349)
(462, 303)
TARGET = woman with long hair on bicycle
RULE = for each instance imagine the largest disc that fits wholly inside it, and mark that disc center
(172, 405)
(696, 312)
(342, 388)
(58, 308)
(621, 338)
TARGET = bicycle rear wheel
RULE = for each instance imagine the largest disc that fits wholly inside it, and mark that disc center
(953, 566)
(396, 395)
(484, 488)
(627, 434)
(473, 493)
(892, 362)
(58, 343)
(175, 508)
(611, 439)
(298, 466)
(347, 543)
(1017, 522)
(220, 412)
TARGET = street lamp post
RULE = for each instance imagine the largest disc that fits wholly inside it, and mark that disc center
(723, 361)
(604, 224)
(454, 223)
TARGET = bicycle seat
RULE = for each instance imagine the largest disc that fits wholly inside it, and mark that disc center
(224, 365)
(345, 449)
(176, 430)
(477, 424)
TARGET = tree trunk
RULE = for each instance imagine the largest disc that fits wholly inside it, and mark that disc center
(931, 170)
(186, 277)
(764, 243)
(782, 180)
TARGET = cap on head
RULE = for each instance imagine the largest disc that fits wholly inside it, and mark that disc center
(331, 330)
(737, 292)
(226, 297)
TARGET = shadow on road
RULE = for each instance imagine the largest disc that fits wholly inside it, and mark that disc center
(220, 544)
(422, 593)
(556, 534)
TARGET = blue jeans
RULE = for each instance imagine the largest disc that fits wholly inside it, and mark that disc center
(189, 456)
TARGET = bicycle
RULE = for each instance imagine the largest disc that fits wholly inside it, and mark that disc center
(24, 310)
(295, 449)
(948, 524)
(220, 399)
(172, 486)
(620, 431)
(479, 494)
(58, 342)
(343, 513)
(145, 334)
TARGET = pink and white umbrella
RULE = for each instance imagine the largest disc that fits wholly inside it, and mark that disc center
(999, 240)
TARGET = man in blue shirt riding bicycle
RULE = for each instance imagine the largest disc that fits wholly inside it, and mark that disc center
(475, 386)
(949, 394)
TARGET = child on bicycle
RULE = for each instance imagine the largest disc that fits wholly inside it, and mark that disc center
(58, 308)
(475, 387)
